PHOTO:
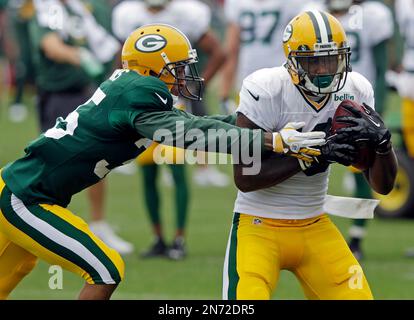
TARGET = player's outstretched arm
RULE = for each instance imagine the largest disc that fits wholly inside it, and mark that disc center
(227, 118)
(181, 129)
(184, 130)
(274, 168)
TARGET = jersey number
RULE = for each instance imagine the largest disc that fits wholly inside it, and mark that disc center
(249, 30)
(64, 127)
(355, 44)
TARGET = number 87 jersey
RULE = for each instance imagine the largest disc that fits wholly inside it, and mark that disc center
(261, 25)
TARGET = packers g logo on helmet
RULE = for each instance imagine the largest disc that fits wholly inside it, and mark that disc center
(150, 43)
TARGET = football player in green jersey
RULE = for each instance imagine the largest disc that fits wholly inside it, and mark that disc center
(72, 50)
(114, 126)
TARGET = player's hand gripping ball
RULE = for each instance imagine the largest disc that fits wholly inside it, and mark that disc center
(362, 127)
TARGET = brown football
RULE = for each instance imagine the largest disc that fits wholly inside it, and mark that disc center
(366, 155)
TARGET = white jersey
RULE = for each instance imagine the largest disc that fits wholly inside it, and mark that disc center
(278, 101)
(404, 10)
(261, 23)
(189, 16)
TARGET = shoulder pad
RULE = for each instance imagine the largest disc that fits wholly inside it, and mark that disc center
(150, 93)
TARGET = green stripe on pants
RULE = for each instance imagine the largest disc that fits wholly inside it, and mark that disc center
(71, 231)
(52, 222)
(232, 267)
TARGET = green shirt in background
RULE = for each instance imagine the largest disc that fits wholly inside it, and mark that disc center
(50, 75)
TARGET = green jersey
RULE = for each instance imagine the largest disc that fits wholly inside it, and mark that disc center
(114, 126)
(51, 75)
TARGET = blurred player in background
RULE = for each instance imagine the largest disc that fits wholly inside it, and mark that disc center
(368, 26)
(72, 51)
(404, 10)
(253, 38)
(21, 12)
(279, 221)
(3, 45)
(8, 52)
(114, 126)
(193, 18)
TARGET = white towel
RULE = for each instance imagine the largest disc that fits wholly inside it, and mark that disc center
(347, 207)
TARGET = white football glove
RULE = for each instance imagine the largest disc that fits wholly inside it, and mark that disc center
(291, 142)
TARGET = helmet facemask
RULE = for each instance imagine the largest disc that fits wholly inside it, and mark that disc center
(183, 75)
(320, 71)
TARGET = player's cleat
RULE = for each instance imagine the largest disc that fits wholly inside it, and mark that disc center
(177, 250)
(210, 176)
(158, 249)
(104, 231)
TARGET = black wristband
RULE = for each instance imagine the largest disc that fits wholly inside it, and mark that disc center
(384, 148)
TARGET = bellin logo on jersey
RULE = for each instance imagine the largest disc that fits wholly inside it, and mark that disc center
(345, 96)
(150, 43)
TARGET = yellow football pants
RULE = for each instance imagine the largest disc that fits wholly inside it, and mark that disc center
(55, 235)
(157, 153)
(407, 121)
(313, 249)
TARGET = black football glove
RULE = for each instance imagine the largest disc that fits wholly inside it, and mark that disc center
(366, 127)
(332, 151)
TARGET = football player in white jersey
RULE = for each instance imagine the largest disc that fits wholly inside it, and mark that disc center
(193, 18)
(254, 32)
(404, 10)
(368, 26)
(279, 221)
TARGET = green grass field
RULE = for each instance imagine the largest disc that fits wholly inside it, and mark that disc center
(391, 275)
